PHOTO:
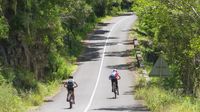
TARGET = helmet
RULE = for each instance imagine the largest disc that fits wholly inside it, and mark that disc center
(114, 70)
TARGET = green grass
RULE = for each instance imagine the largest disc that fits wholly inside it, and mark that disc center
(44, 89)
(9, 99)
(13, 101)
(102, 19)
(159, 100)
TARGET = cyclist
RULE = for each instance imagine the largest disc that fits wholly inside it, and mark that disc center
(114, 77)
(70, 84)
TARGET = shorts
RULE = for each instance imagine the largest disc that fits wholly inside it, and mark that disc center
(70, 89)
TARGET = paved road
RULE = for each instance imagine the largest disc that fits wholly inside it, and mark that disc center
(107, 48)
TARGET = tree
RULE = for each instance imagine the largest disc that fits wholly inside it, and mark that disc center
(173, 26)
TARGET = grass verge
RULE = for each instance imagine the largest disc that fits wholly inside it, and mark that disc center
(9, 99)
(160, 100)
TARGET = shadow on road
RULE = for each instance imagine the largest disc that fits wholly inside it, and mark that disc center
(119, 54)
(92, 45)
(128, 92)
(128, 42)
(103, 24)
(111, 98)
(113, 37)
(91, 51)
(97, 32)
(126, 14)
(97, 37)
(101, 44)
(137, 108)
(128, 66)
(68, 108)
(90, 54)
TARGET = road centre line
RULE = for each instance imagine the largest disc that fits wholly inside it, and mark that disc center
(102, 59)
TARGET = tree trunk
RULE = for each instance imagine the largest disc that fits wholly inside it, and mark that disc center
(3, 52)
(27, 54)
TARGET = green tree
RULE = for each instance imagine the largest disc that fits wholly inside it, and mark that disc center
(173, 26)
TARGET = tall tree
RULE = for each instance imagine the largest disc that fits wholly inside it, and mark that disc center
(174, 25)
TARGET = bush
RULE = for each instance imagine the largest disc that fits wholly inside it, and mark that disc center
(20, 78)
(185, 104)
(52, 86)
(35, 98)
(156, 99)
(9, 100)
(24, 80)
(141, 82)
(8, 74)
(114, 10)
(60, 67)
(160, 100)
(2, 80)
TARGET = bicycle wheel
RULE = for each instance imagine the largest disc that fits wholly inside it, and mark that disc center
(70, 104)
(115, 90)
(70, 100)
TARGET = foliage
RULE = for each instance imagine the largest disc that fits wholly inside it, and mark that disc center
(174, 28)
(195, 46)
(40, 41)
(21, 79)
(60, 67)
(42, 36)
(126, 4)
(3, 28)
(9, 100)
(109, 7)
(160, 100)
(30, 98)
(2, 80)
(36, 97)
(140, 82)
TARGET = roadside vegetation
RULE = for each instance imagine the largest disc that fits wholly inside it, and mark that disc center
(170, 28)
(40, 41)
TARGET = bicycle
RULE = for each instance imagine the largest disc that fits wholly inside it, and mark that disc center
(115, 89)
(70, 84)
(70, 99)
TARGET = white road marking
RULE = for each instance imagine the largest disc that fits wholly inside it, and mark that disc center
(99, 74)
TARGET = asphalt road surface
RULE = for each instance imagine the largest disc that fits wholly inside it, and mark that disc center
(107, 48)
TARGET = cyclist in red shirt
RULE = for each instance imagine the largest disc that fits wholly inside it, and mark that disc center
(114, 77)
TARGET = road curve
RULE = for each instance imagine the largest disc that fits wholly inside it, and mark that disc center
(107, 48)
